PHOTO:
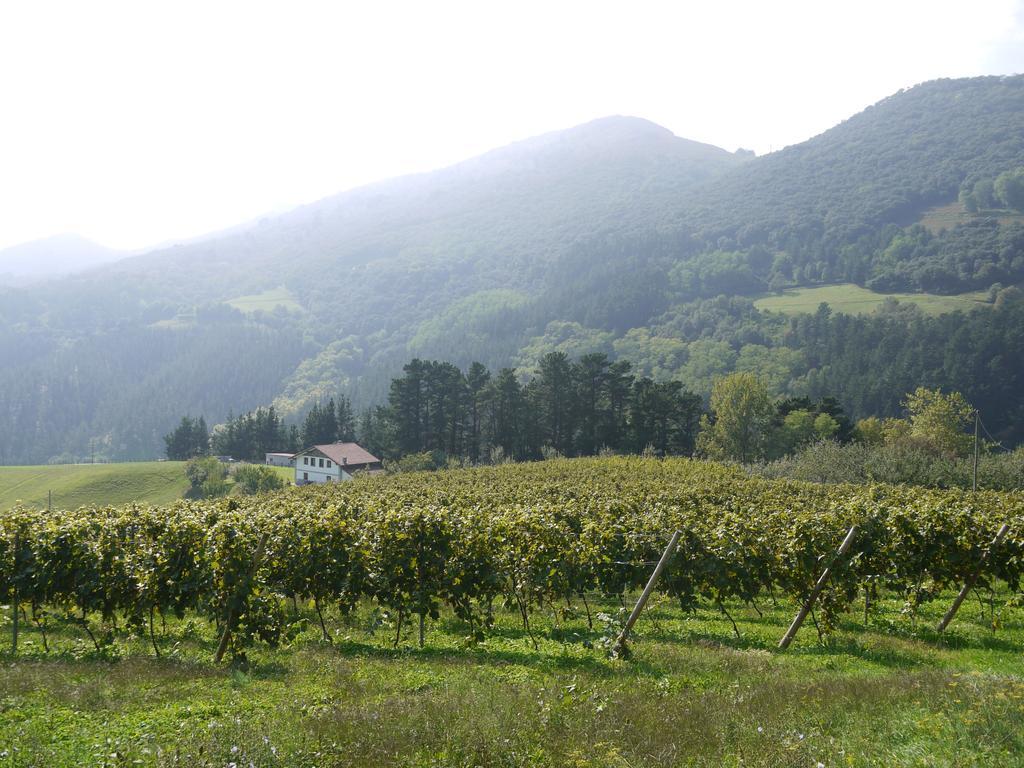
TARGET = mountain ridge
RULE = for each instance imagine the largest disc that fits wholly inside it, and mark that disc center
(52, 257)
(612, 236)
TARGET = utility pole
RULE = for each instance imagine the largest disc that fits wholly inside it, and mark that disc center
(977, 419)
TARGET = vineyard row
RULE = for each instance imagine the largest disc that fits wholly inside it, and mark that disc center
(519, 536)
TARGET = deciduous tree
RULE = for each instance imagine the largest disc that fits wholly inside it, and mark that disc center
(742, 420)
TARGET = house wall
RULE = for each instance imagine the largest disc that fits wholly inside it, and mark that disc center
(307, 475)
(314, 473)
(279, 461)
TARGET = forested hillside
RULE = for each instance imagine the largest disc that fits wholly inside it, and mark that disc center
(831, 209)
(614, 237)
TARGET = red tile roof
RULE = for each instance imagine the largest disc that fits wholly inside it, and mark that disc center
(346, 453)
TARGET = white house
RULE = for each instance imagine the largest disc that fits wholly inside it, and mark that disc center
(280, 460)
(333, 463)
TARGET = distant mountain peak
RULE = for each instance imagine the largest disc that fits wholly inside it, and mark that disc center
(61, 240)
(53, 256)
(624, 124)
(614, 129)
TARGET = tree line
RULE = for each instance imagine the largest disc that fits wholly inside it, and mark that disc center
(252, 435)
(569, 407)
(437, 414)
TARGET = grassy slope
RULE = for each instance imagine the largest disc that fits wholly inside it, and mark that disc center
(692, 694)
(853, 300)
(285, 473)
(948, 216)
(152, 482)
(156, 482)
(267, 301)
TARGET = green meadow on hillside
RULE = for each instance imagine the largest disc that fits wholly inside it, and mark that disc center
(851, 299)
(948, 216)
(267, 301)
(153, 482)
(74, 485)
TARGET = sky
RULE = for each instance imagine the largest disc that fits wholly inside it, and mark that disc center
(139, 123)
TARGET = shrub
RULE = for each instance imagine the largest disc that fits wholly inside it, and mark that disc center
(256, 478)
(413, 462)
(205, 473)
(904, 463)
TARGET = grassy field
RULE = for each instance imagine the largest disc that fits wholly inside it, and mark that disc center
(155, 482)
(693, 693)
(285, 473)
(267, 301)
(948, 216)
(853, 300)
(74, 485)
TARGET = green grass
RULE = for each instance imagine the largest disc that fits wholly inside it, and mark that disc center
(948, 216)
(853, 300)
(154, 482)
(267, 301)
(74, 485)
(285, 473)
(886, 694)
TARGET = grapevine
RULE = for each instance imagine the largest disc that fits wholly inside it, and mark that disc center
(531, 536)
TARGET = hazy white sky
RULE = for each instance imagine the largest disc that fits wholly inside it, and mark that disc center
(137, 122)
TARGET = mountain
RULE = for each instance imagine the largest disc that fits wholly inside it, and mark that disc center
(614, 236)
(830, 202)
(511, 203)
(52, 257)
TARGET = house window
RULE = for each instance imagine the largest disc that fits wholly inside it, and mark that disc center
(305, 460)
(328, 463)
(305, 475)
(329, 478)
(321, 463)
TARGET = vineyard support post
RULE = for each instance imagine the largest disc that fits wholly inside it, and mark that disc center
(818, 587)
(16, 600)
(620, 642)
(972, 579)
(240, 595)
(974, 483)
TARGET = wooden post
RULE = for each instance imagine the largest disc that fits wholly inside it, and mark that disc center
(240, 595)
(818, 587)
(972, 579)
(14, 605)
(974, 485)
(620, 642)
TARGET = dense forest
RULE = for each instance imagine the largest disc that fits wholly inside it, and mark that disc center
(613, 238)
